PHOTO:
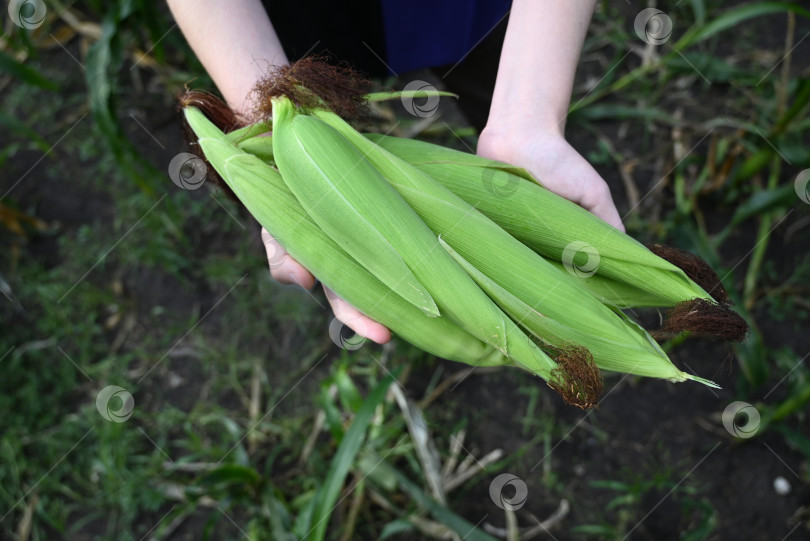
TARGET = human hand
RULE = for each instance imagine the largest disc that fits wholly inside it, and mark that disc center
(556, 164)
(286, 270)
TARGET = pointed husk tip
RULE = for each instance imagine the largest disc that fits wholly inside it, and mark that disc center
(222, 116)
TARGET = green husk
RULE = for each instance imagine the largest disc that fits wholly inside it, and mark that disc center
(609, 354)
(331, 195)
(546, 222)
(349, 201)
(262, 190)
(516, 268)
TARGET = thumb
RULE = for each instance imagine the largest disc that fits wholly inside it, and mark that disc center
(283, 268)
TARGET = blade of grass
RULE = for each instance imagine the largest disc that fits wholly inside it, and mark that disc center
(344, 459)
(103, 59)
(625, 112)
(15, 126)
(699, 9)
(764, 201)
(25, 73)
(733, 18)
(408, 94)
(458, 524)
(695, 34)
(468, 531)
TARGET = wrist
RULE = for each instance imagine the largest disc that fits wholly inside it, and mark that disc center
(508, 142)
(539, 112)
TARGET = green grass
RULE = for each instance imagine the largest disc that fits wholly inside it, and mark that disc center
(231, 373)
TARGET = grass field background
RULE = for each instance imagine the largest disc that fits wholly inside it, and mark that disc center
(234, 414)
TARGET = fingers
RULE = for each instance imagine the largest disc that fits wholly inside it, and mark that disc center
(355, 320)
(590, 191)
(607, 211)
(283, 268)
(598, 200)
(286, 270)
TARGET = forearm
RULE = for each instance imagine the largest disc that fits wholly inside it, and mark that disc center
(234, 40)
(539, 58)
(532, 92)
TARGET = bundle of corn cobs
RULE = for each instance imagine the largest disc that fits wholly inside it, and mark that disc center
(467, 258)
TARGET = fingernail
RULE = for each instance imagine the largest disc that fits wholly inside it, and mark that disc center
(291, 277)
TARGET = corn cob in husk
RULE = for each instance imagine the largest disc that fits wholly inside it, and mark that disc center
(446, 248)
(626, 274)
(265, 194)
(615, 343)
(268, 197)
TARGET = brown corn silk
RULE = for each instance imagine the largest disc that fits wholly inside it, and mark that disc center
(705, 318)
(701, 316)
(694, 267)
(314, 83)
(577, 378)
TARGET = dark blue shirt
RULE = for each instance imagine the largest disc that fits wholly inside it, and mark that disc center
(405, 34)
(425, 33)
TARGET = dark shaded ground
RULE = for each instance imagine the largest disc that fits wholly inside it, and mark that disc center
(644, 431)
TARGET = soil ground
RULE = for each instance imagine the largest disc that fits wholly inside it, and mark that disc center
(642, 430)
